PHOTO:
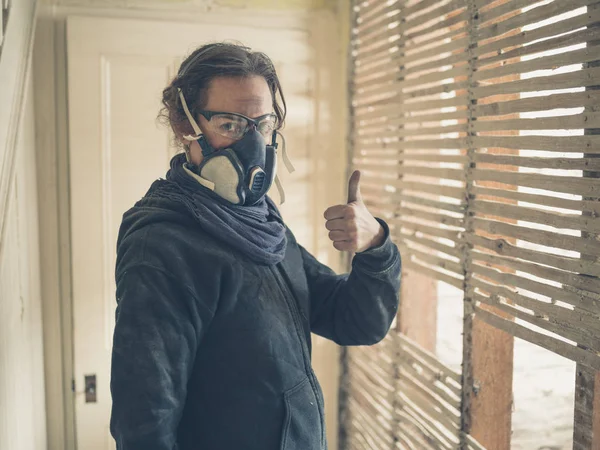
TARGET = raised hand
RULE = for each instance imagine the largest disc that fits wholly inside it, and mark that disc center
(351, 226)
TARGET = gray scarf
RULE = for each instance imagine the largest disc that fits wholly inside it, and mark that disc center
(257, 231)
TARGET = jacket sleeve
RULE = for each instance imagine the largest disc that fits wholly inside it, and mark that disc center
(159, 324)
(357, 308)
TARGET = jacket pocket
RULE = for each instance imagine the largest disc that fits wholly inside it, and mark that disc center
(302, 423)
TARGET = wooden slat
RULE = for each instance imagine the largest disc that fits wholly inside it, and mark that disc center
(436, 275)
(553, 344)
(524, 37)
(564, 144)
(436, 90)
(565, 122)
(420, 144)
(436, 217)
(393, 157)
(380, 34)
(386, 63)
(580, 78)
(428, 419)
(577, 37)
(524, 18)
(381, 42)
(395, 84)
(430, 172)
(408, 440)
(436, 189)
(472, 444)
(556, 323)
(416, 34)
(439, 396)
(450, 416)
(366, 10)
(444, 53)
(428, 402)
(437, 204)
(401, 119)
(429, 243)
(370, 425)
(541, 237)
(554, 183)
(426, 357)
(407, 367)
(433, 8)
(394, 137)
(375, 78)
(586, 432)
(429, 366)
(588, 295)
(442, 263)
(421, 419)
(449, 30)
(434, 231)
(591, 164)
(385, 365)
(559, 220)
(390, 108)
(542, 63)
(503, 247)
(547, 200)
(558, 318)
(375, 57)
(372, 31)
(375, 18)
(547, 102)
(374, 372)
(376, 404)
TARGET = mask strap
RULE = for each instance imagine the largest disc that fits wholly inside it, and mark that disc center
(280, 189)
(288, 165)
(193, 123)
(203, 181)
(188, 158)
(286, 160)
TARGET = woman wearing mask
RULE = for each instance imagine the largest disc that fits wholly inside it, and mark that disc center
(216, 299)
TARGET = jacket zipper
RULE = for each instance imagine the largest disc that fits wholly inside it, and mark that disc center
(292, 302)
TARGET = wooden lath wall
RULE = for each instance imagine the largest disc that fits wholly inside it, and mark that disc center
(474, 123)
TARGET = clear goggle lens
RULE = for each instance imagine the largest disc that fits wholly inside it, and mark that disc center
(234, 127)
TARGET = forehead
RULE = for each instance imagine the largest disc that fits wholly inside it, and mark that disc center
(249, 96)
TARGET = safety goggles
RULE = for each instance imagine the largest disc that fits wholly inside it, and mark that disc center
(235, 126)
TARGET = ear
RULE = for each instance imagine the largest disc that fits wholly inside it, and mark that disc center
(194, 153)
(182, 131)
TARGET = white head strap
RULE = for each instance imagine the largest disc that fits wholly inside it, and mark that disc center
(191, 119)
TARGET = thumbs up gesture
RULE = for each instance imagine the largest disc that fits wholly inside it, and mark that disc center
(352, 227)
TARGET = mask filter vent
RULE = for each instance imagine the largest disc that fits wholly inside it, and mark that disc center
(258, 180)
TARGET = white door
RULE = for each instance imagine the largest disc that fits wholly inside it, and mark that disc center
(116, 72)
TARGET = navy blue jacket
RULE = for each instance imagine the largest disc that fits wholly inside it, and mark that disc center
(212, 351)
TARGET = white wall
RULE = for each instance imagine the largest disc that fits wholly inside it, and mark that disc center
(22, 405)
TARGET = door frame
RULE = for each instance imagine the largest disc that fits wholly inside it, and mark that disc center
(51, 112)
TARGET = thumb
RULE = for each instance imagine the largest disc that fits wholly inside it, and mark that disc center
(354, 188)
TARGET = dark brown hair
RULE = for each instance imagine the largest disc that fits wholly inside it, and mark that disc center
(202, 66)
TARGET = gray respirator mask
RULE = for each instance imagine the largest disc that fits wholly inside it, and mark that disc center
(244, 172)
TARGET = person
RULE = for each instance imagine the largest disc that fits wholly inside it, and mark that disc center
(216, 301)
